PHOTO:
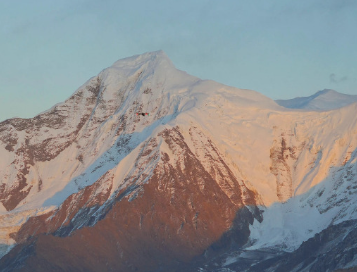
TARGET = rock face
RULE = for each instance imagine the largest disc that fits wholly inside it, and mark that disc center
(212, 178)
(41, 139)
(176, 215)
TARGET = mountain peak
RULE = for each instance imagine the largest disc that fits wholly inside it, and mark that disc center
(136, 165)
(326, 99)
(153, 58)
(325, 91)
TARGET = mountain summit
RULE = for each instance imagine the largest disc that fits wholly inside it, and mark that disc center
(322, 100)
(214, 177)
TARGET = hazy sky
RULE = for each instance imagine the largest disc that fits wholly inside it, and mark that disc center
(281, 48)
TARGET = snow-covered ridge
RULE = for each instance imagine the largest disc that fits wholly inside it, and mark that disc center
(322, 100)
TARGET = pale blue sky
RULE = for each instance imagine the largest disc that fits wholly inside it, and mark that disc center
(280, 48)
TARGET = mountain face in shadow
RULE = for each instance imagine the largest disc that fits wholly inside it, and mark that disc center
(146, 168)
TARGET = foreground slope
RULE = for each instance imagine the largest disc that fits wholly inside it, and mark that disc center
(89, 185)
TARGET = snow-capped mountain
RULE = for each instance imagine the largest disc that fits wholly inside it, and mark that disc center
(212, 178)
(322, 100)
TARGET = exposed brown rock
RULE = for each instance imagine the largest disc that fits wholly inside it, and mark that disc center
(177, 215)
(280, 154)
(50, 222)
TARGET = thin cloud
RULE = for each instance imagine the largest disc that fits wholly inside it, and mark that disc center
(336, 79)
(343, 4)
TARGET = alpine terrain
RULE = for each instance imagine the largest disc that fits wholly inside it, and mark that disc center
(146, 168)
(322, 100)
